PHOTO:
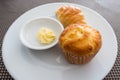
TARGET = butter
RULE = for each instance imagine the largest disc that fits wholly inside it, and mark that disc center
(46, 35)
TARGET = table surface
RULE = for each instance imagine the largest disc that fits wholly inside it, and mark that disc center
(10, 10)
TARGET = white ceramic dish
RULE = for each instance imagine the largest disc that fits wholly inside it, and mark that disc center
(25, 64)
(29, 32)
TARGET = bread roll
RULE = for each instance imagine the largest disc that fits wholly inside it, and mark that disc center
(68, 15)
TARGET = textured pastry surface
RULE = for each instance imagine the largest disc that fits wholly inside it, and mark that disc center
(80, 40)
(68, 15)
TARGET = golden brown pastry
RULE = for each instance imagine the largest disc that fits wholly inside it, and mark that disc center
(80, 43)
(68, 15)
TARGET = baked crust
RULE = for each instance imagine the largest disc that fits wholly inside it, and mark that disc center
(68, 15)
(80, 40)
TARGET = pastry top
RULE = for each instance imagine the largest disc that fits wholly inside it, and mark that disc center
(68, 15)
(80, 39)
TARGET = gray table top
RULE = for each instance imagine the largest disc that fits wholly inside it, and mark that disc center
(10, 10)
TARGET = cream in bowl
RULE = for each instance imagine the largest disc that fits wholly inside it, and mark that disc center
(41, 33)
(46, 35)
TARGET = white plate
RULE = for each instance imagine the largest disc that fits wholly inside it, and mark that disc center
(25, 64)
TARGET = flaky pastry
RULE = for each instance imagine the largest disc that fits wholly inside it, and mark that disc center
(68, 15)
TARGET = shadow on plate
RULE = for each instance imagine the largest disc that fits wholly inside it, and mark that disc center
(50, 58)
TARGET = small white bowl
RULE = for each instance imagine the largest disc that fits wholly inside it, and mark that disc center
(30, 30)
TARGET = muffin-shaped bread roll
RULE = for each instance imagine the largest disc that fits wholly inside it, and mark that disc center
(80, 43)
(68, 15)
